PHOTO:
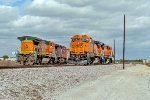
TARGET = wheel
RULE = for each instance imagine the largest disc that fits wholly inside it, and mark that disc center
(88, 61)
(101, 61)
(24, 62)
(110, 61)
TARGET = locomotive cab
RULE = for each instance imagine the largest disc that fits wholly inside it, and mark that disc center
(108, 54)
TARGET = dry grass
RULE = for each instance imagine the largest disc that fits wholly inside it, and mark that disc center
(8, 63)
(148, 64)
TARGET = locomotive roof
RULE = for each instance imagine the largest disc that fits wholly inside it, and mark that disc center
(99, 43)
(59, 45)
(80, 36)
(29, 38)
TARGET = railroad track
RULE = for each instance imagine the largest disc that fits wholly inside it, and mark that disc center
(33, 66)
(40, 66)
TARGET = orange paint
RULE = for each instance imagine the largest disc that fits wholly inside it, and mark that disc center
(108, 50)
(50, 47)
(27, 47)
(80, 44)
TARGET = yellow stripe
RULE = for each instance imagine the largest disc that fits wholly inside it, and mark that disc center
(26, 52)
(77, 53)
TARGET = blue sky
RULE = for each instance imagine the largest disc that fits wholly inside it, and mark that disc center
(16, 3)
(58, 20)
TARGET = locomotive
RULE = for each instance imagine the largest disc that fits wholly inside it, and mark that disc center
(34, 50)
(84, 50)
(107, 56)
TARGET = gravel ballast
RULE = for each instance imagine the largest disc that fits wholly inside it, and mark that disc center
(46, 83)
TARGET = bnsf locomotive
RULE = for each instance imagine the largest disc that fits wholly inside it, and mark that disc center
(84, 50)
(34, 50)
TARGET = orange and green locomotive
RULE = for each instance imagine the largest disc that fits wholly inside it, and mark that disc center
(34, 50)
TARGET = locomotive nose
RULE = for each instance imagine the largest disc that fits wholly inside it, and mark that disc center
(78, 44)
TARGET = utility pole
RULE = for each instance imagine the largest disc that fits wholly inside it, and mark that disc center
(124, 43)
(114, 49)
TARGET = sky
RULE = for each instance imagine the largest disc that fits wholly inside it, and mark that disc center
(58, 20)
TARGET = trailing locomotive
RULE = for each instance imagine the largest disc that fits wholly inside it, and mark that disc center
(34, 50)
(84, 50)
(107, 55)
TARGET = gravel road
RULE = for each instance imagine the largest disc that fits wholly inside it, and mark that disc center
(130, 84)
(48, 83)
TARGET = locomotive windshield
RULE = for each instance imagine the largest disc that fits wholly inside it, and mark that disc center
(75, 39)
(85, 40)
(82, 39)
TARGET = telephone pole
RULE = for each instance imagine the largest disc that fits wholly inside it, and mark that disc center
(124, 43)
(114, 49)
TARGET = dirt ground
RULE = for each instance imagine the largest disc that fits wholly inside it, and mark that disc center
(148, 65)
(7, 63)
(133, 83)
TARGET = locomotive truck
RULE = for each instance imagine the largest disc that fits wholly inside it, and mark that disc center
(34, 50)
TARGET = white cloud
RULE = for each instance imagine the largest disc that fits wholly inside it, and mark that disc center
(29, 21)
(53, 8)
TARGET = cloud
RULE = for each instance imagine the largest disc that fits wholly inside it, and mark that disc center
(7, 14)
(57, 9)
(77, 3)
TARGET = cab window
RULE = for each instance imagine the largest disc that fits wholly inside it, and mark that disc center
(75, 39)
(85, 40)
